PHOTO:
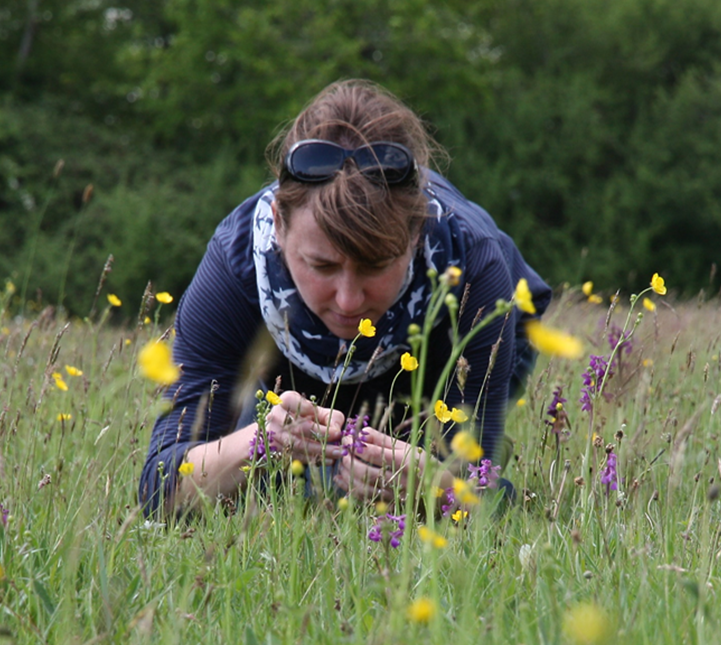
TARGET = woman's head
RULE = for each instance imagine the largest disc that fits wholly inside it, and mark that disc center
(365, 219)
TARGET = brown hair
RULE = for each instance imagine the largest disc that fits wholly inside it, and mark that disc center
(365, 220)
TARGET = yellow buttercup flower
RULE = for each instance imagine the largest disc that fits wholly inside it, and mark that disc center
(523, 297)
(658, 284)
(463, 493)
(649, 304)
(587, 288)
(452, 276)
(459, 515)
(595, 299)
(59, 383)
(147, 320)
(458, 416)
(164, 297)
(443, 414)
(553, 341)
(73, 371)
(272, 398)
(64, 417)
(297, 467)
(422, 610)
(156, 363)
(366, 328)
(521, 402)
(466, 447)
(429, 536)
(186, 468)
(586, 624)
(114, 300)
(408, 362)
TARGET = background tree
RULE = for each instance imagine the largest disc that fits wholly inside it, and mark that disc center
(588, 128)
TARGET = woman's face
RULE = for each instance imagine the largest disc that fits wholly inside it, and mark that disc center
(335, 288)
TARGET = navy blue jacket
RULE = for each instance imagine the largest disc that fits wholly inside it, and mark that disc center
(219, 317)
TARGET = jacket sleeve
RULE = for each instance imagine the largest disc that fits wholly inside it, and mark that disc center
(499, 357)
(217, 320)
(490, 355)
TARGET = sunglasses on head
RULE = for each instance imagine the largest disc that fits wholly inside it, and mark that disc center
(314, 160)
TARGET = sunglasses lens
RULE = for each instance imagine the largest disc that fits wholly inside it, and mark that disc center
(391, 161)
(316, 161)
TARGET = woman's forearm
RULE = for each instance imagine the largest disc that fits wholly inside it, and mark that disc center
(217, 466)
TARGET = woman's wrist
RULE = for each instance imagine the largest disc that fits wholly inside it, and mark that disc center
(218, 465)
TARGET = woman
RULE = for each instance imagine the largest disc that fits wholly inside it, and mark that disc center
(348, 232)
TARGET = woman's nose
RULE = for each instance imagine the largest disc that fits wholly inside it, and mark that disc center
(349, 294)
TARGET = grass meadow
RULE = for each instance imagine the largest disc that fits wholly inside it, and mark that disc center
(578, 559)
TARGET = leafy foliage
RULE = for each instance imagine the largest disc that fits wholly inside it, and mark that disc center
(589, 129)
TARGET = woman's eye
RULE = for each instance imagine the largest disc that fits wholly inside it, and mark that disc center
(323, 268)
(374, 269)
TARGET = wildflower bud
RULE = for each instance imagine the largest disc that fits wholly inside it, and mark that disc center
(598, 442)
(413, 329)
(588, 575)
(260, 395)
(502, 305)
(713, 493)
(654, 497)
(609, 448)
(525, 555)
(619, 435)
(451, 302)
(462, 369)
(452, 276)
(59, 165)
(87, 193)
(432, 273)
(579, 481)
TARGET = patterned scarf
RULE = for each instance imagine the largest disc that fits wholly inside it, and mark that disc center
(305, 340)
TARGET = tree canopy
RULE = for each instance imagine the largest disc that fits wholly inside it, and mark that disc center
(589, 129)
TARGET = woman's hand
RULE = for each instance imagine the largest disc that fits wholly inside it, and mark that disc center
(383, 468)
(304, 430)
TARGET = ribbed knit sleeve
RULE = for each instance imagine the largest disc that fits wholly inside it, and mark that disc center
(217, 320)
(497, 353)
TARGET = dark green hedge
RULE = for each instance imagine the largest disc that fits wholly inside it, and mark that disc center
(590, 129)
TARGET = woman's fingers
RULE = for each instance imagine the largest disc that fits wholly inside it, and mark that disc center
(359, 480)
(384, 451)
(322, 422)
(296, 429)
(368, 481)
